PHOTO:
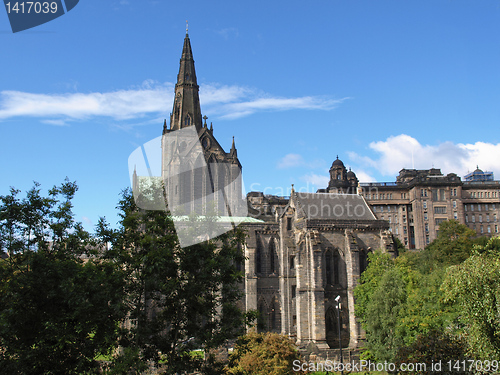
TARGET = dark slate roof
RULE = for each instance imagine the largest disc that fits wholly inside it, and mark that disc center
(337, 162)
(333, 206)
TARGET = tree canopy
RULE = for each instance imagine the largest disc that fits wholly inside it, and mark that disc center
(130, 295)
(179, 299)
(474, 288)
(263, 354)
(437, 296)
(59, 301)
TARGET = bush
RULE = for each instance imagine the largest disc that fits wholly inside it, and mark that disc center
(263, 354)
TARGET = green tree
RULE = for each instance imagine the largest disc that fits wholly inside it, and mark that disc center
(383, 314)
(60, 304)
(263, 354)
(474, 287)
(435, 346)
(378, 264)
(424, 309)
(401, 301)
(180, 299)
(452, 246)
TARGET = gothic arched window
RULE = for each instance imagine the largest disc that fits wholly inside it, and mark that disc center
(273, 316)
(272, 256)
(258, 257)
(261, 318)
(331, 267)
(187, 120)
(331, 321)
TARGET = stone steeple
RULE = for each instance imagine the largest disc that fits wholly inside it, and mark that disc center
(233, 151)
(186, 110)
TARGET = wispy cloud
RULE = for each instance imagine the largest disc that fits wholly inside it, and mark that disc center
(364, 176)
(123, 104)
(258, 104)
(290, 161)
(149, 99)
(404, 151)
(297, 160)
(228, 32)
(317, 180)
(55, 122)
(86, 220)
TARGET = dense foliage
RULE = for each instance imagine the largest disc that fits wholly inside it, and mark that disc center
(59, 302)
(438, 302)
(179, 299)
(474, 288)
(132, 296)
(263, 354)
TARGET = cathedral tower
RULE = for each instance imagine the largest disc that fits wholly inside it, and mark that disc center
(198, 174)
(186, 110)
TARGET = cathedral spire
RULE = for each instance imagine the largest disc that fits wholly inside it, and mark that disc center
(186, 111)
(233, 150)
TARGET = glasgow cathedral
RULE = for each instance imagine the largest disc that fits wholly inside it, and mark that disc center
(306, 252)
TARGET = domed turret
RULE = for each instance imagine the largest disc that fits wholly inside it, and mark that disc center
(337, 163)
(341, 181)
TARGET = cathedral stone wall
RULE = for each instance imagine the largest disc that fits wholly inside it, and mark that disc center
(300, 259)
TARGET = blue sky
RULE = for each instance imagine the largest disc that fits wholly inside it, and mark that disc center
(296, 83)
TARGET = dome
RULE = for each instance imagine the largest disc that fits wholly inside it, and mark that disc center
(350, 174)
(337, 162)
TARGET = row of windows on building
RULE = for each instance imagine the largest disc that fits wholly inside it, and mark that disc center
(437, 209)
(489, 228)
(484, 194)
(393, 219)
(438, 195)
(378, 196)
(480, 218)
(387, 208)
(479, 207)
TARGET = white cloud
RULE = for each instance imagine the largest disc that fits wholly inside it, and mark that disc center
(364, 176)
(290, 161)
(151, 98)
(404, 151)
(55, 122)
(123, 104)
(213, 94)
(320, 181)
(228, 32)
(86, 220)
(296, 160)
(244, 108)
